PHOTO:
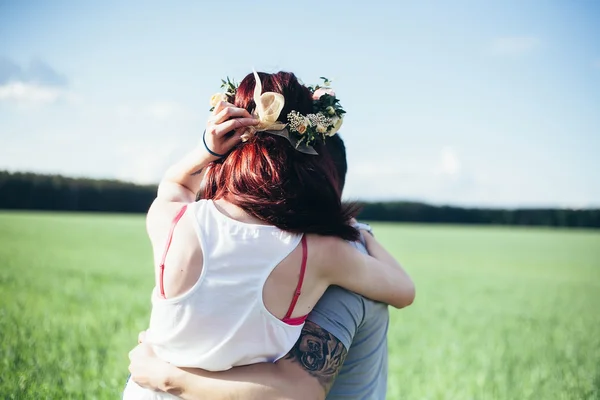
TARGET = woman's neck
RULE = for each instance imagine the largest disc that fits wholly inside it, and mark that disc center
(232, 211)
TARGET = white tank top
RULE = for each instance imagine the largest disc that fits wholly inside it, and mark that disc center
(222, 322)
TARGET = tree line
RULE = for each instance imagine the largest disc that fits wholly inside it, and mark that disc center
(29, 191)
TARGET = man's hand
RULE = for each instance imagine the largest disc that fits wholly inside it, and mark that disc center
(147, 370)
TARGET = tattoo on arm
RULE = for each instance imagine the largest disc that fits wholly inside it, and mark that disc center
(320, 353)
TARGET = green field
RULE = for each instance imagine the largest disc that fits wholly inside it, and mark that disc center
(501, 313)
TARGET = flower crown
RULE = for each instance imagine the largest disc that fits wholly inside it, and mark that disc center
(302, 131)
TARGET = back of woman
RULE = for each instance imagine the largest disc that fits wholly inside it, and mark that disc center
(221, 321)
(235, 277)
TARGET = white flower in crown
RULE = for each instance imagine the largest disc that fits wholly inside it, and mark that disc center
(337, 124)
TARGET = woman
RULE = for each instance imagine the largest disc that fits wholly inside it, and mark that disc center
(239, 270)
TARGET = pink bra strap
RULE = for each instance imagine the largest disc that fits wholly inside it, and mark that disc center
(300, 280)
(295, 321)
(164, 257)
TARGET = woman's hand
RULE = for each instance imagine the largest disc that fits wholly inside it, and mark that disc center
(227, 118)
(147, 370)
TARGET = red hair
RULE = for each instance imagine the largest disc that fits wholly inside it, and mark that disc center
(274, 182)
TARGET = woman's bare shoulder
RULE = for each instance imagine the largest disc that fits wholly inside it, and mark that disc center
(159, 219)
(183, 259)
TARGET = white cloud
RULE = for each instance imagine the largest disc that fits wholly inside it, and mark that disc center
(23, 93)
(124, 110)
(449, 163)
(400, 178)
(164, 110)
(435, 176)
(29, 93)
(144, 162)
(513, 45)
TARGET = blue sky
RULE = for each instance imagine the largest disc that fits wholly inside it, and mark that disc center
(468, 103)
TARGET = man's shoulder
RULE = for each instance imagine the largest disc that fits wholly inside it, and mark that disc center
(340, 312)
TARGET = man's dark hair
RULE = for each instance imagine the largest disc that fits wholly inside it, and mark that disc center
(337, 150)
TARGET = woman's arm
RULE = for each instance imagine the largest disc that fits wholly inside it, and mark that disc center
(182, 181)
(377, 276)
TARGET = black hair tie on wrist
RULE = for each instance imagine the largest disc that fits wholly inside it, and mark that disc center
(212, 153)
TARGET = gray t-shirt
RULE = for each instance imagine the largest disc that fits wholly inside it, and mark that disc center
(361, 325)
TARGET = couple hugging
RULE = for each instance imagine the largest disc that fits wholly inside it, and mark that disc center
(260, 268)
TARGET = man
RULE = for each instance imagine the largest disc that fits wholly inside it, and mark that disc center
(341, 353)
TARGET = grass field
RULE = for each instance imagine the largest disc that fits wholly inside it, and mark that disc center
(501, 313)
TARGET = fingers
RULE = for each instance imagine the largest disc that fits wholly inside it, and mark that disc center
(232, 124)
(221, 106)
(226, 118)
(228, 113)
(236, 138)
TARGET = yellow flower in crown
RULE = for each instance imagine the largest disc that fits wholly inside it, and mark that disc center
(268, 107)
(217, 98)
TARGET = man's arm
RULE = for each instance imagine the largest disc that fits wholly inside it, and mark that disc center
(306, 372)
(319, 353)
